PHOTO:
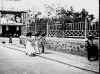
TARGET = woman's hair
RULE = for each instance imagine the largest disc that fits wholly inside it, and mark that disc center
(29, 34)
(43, 34)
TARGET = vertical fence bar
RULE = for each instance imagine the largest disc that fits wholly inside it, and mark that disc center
(79, 26)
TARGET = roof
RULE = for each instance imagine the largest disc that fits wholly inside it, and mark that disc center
(12, 11)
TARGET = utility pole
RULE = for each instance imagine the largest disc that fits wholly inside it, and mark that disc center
(85, 27)
(35, 25)
(47, 24)
(2, 4)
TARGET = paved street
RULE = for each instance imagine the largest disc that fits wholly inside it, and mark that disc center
(14, 61)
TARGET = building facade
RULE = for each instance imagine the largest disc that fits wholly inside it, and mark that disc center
(12, 23)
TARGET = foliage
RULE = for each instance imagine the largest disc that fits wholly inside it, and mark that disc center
(63, 15)
(72, 16)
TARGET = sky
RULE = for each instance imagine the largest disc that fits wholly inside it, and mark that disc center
(92, 6)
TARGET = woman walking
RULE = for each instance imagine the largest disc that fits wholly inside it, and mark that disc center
(91, 48)
(30, 50)
(29, 47)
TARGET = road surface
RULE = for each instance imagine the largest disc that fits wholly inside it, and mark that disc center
(16, 62)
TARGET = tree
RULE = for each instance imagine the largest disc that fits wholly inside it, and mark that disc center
(84, 14)
(90, 17)
(64, 16)
(76, 17)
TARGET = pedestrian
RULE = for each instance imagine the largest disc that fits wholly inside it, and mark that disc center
(10, 38)
(35, 44)
(43, 42)
(30, 49)
(32, 46)
(91, 48)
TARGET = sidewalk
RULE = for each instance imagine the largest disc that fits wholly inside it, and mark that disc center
(67, 59)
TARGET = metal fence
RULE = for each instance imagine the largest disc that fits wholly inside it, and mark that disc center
(73, 30)
(36, 27)
(70, 29)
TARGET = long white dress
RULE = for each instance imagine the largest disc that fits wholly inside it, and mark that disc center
(29, 48)
(36, 47)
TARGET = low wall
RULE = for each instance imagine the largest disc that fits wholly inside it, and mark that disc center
(67, 45)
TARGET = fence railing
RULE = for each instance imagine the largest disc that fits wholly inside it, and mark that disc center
(70, 29)
(73, 30)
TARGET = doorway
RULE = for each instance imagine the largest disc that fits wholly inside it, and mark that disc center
(11, 30)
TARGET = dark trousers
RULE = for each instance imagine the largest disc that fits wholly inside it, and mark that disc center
(92, 53)
(42, 48)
